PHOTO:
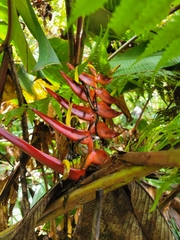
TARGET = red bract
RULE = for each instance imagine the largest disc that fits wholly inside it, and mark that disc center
(91, 114)
(85, 113)
(81, 136)
(103, 131)
(87, 79)
(104, 80)
(42, 157)
(105, 111)
(77, 88)
(100, 78)
(104, 95)
(92, 80)
(96, 156)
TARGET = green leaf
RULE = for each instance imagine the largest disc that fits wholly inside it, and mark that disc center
(40, 191)
(139, 16)
(17, 35)
(26, 80)
(41, 105)
(168, 39)
(3, 3)
(129, 63)
(165, 37)
(15, 113)
(171, 52)
(20, 43)
(4, 13)
(98, 21)
(81, 9)
(47, 55)
(60, 46)
(111, 5)
(3, 30)
(99, 55)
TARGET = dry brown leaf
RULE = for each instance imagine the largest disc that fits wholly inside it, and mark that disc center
(153, 223)
(3, 207)
(25, 229)
(122, 105)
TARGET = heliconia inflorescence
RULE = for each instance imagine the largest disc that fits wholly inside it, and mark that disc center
(97, 109)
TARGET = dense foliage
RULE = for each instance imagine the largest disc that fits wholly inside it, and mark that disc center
(124, 57)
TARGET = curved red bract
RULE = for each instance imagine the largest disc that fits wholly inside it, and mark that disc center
(42, 157)
(91, 113)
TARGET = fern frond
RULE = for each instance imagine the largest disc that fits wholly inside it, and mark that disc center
(139, 16)
(111, 5)
(99, 55)
(81, 8)
(165, 37)
(171, 52)
(151, 15)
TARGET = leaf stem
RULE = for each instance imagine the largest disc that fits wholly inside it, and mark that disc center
(122, 47)
(70, 33)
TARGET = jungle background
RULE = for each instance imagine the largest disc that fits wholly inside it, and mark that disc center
(135, 193)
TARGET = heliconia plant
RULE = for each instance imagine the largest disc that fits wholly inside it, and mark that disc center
(95, 112)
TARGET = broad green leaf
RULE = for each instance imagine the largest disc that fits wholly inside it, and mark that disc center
(47, 55)
(130, 65)
(3, 13)
(3, 30)
(53, 75)
(98, 21)
(81, 9)
(17, 36)
(20, 43)
(60, 46)
(3, 3)
(175, 3)
(26, 80)
(140, 16)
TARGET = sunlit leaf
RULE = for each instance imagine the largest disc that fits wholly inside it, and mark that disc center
(47, 55)
(139, 17)
(20, 43)
(80, 9)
